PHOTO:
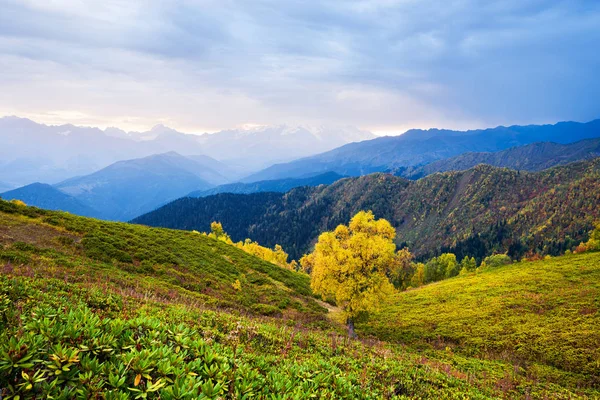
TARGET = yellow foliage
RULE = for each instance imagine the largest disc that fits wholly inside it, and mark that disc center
(276, 256)
(354, 263)
(18, 202)
(237, 285)
(593, 244)
(418, 279)
(217, 232)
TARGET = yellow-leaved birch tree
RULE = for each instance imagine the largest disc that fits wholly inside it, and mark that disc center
(354, 265)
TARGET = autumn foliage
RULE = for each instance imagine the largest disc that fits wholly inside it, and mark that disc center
(355, 265)
(275, 256)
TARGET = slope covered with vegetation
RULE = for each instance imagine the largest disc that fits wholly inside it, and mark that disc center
(93, 309)
(175, 265)
(475, 212)
(541, 316)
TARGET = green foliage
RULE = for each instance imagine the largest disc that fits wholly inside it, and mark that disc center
(444, 266)
(542, 315)
(468, 263)
(497, 260)
(57, 346)
(173, 323)
(180, 264)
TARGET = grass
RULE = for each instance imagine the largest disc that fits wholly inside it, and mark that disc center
(93, 309)
(143, 261)
(543, 317)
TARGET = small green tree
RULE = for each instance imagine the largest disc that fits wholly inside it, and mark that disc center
(468, 263)
(444, 266)
(496, 260)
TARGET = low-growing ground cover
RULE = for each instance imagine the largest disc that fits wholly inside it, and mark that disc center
(542, 316)
(64, 341)
(160, 263)
(145, 323)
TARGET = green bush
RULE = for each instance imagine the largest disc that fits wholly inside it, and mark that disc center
(497, 260)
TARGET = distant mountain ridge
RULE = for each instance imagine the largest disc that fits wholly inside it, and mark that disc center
(549, 210)
(31, 152)
(281, 185)
(419, 147)
(128, 188)
(532, 157)
(45, 196)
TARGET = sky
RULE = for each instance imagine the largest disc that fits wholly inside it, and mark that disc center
(381, 65)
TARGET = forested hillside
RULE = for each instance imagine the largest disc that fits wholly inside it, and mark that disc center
(473, 212)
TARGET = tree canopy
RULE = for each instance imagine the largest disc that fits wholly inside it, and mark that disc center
(355, 265)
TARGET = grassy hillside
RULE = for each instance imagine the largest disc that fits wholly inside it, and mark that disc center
(540, 316)
(173, 264)
(94, 309)
(473, 212)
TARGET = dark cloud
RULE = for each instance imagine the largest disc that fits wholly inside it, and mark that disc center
(382, 64)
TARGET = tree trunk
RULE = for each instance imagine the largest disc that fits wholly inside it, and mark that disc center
(351, 333)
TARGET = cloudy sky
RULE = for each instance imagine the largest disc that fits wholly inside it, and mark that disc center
(382, 65)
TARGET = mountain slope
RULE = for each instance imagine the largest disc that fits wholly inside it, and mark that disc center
(417, 147)
(281, 185)
(531, 157)
(195, 267)
(48, 197)
(129, 188)
(111, 309)
(511, 310)
(475, 212)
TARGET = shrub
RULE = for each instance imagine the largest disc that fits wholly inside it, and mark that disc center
(497, 260)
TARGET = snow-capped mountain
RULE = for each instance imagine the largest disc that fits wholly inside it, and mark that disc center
(64, 151)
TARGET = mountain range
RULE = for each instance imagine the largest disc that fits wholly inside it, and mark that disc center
(129, 188)
(531, 157)
(478, 211)
(32, 152)
(126, 189)
(420, 147)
